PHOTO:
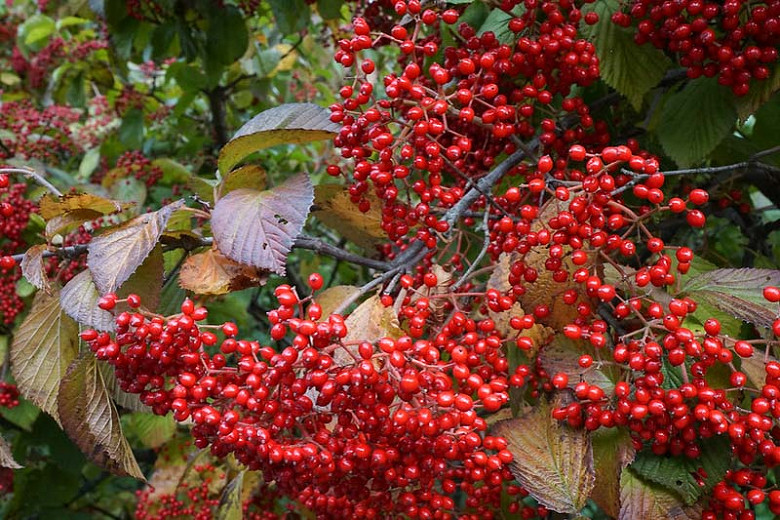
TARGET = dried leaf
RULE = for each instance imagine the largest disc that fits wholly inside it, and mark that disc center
(648, 501)
(42, 349)
(79, 298)
(249, 176)
(90, 419)
(66, 222)
(34, 269)
(563, 354)
(211, 272)
(6, 458)
(335, 209)
(51, 206)
(370, 321)
(331, 298)
(291, 123)
(115, 255)
(612, 451)
(553, 462)
(258, 228)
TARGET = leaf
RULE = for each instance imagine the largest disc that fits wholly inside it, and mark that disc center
(759, 93)
(62, 224)
(553, 462)
(131, 131)
(116, 254)
(34, 269)
(43, 347)
(152, 430)
(230, 504)
(648, 501)
(121, 398)
(248, 176)
(211, 272)
(563, 354)
(676, 474)
(497, 22)
(227, 37)
(173, 172)
(258, 228)
(291, 15)
(332, 297)
(695, 119)
(6, 458)
(91, 421)
(370, 321)
(291, 123)
(619, 56)
(79, 298)
(612, 451)
(51, 206)
(335, 209)
(330, 9)
(737, 292)
(23, 415)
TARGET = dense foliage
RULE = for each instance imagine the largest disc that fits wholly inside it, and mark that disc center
(389, 259)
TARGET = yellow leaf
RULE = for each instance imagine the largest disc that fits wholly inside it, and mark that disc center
(54, 206)
(335, 209)
(648, 501)
(331, 298)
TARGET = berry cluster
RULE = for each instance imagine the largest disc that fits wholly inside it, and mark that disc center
(9, 395)
(735, 40)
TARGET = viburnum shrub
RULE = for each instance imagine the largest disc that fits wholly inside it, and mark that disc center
(537, 276)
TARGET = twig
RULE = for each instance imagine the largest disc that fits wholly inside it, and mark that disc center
(479, 257)
(319, 246)
(34, 175)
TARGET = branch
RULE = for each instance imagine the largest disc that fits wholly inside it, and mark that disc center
(34, 175)
(479, 257)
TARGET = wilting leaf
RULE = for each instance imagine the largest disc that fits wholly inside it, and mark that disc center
(79, 298)
(211, 272)
(677, 474)
(335, 209)
(331, 298)
(115, 255)
(230, 506)
(370, 321)
(91, 421)
(34, 269)
(248, 176)
(291, 123)
(553, 462)
(42, 349)
(563, 354)
(152, 430)
(258, 228)
(62, 224)
(649, 501)
(6, 458)
(612, 451)
(737, 292)
(55, 206)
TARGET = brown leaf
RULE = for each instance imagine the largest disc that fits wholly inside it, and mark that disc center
(553, 462)
(44, 345)
(211, 272)
(115, 255)
(563, 354)
(612, 451)
(51, 206)
(335, 209)
(79, 298)
(331, 298)
(370, 321)
(249, 176)
(91, 421)
(66, 222)
(6, 458)
(258, 228)
(291, 123)
(648, 501)
(34, 268)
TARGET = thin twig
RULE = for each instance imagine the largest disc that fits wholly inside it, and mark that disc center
(479, 257)
(34, 175)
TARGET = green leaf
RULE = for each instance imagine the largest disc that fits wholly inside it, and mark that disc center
(23, 415)
(90, 419)
(188, 77)
(43, 347)
(497, 22)
(629, 68)
(553, 462)
(676, 474)
(131, 132)
(737, 292)
(330, 9)
(115, 255)
(291, 123)
(649, 501)
(173, 172)
(258, 228)
(291, 15)
(227, 37)
(34, 33)
(70, 21)
(230, 504)
(563, 354)
(767, 126)
(695, 119)
(151, 430)
(89, 163)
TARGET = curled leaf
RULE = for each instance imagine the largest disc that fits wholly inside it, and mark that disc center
(291, 123)
(90, 419)
(51, 206)
(258, 228)
(34, 269)
(115, 255)
(211, 272)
